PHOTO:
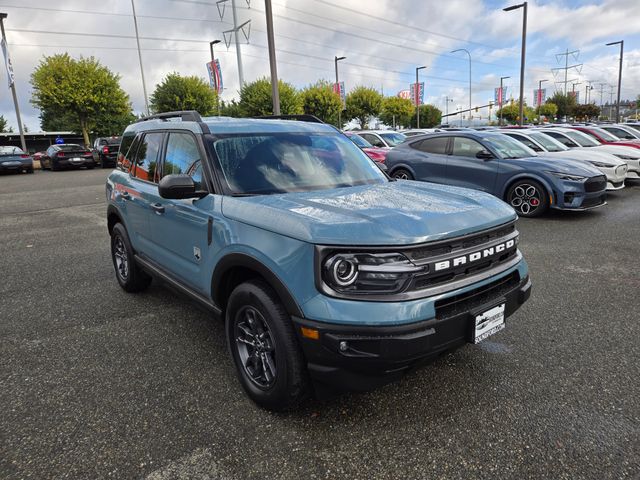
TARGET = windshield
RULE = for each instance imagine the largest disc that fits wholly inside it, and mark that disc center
(507, 147)
(113, 141)
(393, 138)
(359, 141)
(551, 144)
(606, 135)
(291, 162)
(11, 151)
(581, 139)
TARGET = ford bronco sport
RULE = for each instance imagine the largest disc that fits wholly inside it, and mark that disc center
(328, 274)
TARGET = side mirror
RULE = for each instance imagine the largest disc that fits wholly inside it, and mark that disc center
(484, 155)
(178, 186)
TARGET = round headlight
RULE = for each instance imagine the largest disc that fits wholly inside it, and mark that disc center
(343, 271)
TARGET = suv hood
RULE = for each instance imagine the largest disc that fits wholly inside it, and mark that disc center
(394, 213)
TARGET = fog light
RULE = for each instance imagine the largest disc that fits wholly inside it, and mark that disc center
(343, 346)
(311, 333)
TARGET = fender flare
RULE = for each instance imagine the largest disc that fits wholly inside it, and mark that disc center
(112, 210)
(404, 166)
(244, 260)
(530, 176)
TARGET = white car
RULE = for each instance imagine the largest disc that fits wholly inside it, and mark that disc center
(420, 131)
(575, 139)
(545, 146)
(623, 132)
(382, 138)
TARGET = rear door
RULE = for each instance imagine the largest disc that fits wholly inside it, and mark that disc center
(429, 159)
(465, 169)
(182, 229)
(142, 190)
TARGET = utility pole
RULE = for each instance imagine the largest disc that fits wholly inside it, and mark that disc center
(566, 67)
(446, 106)
(144, 84)
(238, 51)
(336, 59)
(621, 42)
(587, 92)
(275, 94)
(416, 92)
(501, 100)
(235, 30)
(12, 82)
(467, 51)
(213, 59)
(522, 54)
(573, 90)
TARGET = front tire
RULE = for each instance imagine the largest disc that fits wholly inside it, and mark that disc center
(263, 344)
(402, 174)
(129, 275)
(528, 197)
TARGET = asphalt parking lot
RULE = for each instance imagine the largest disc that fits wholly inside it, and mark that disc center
(98, 383)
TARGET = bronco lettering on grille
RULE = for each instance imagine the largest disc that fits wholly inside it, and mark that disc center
(475, 256)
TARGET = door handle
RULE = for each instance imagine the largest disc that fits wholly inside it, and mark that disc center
(158, 208)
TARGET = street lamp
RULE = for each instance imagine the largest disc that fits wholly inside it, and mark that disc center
(144, 83)
(523, 54)
(621, 42)
(465, 50)
(539, 99)
(12, 82)
(416, 92)
(501, 100)
(211, 44)
(336, 59)
(446, 106)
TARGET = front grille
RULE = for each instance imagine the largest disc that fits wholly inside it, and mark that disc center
(464, 302)
(595, 184)
(593, 202)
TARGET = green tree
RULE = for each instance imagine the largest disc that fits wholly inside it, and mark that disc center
(548, 110)
(320, 100)
(565, 103)
(397, 111)
(430, 116)
(82, 88)
(363, 103)
(176, 92)
(586, 111)
(107, 124)
(511, 112)
(4, 126)
(231, 109)
(256, 100)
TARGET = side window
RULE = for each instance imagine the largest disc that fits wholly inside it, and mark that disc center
(183, 156)
(146, 158)
(618, 132)
(124, 156)
(562, 139)
(466, 147)
(527, 142)
(372, 139)
(436, 145)
(50, 151)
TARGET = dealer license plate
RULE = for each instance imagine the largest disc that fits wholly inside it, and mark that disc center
(77, 160)
(488, 323)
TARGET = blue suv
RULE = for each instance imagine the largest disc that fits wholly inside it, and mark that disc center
(497, 164)
(329, 275)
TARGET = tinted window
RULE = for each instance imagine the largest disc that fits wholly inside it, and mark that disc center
(70, 147)
(562, 139)
(433, 145)
(372, 139)
(526, 141)
(358, 140)
(603, 134)
(465, 147)
(124, 157)
(393, 138)
(581, 139)
(620, 133)
(183, 156)
(11, 151)
(507, 147)
(551, 144)
(290, 162)
(146, 159)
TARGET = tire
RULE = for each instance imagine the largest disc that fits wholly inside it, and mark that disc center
(90, 167)
(30, 170)
(263, 344)
(53, 167)
(129, 275)
(528, 197)
(402, 174)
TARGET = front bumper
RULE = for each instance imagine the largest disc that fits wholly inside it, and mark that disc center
(358, 358)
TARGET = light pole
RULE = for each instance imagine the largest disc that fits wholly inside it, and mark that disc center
(336, 59)
(213, 59)
(621, 42)
(12, 82)
(539, 99)
(465, 50)
(446, 106)
(144, 84)
(416, 92)
(501, 100)
(523, 54)
(275, 93)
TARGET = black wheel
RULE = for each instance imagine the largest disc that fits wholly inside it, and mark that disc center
(53, 167)
(402, 174)
(264, 347)
(528, 198)
(30, 170)
(130, 276)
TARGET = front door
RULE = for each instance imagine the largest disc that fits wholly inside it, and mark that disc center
(465, 169)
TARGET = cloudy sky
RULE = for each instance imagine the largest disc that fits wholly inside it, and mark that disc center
(383, 40)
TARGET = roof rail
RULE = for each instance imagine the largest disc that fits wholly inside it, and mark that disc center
(184, 115)
(301, 118)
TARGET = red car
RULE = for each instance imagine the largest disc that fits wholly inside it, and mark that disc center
(376, 154)
(607, 138)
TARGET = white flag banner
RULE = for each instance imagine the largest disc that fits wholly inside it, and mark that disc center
(7, 62)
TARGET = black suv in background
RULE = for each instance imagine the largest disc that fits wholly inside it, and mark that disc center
(105, 151)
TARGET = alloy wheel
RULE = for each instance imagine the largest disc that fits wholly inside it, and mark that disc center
(525, 199)
(255, 347)
(120, 256)
(401, 175)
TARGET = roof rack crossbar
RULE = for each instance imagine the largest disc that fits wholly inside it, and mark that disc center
(184, 115)
(301, 118)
